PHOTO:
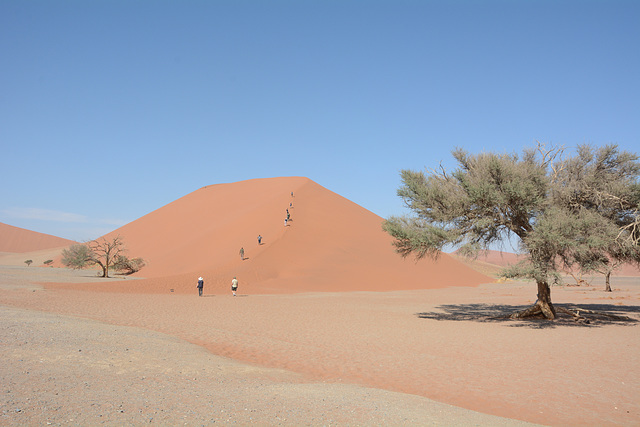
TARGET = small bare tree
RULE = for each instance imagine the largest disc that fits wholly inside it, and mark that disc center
(106, 252)
(579, 280)
(607, 270)
(606, 265)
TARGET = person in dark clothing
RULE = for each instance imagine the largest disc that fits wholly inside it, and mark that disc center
(200, 285)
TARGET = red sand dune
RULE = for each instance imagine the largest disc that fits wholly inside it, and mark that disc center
(627, 270)
(331, 244)
(503, 259)
(499, 258)
(18, 240)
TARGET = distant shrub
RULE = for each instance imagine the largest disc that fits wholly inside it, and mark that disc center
(28, 262)
(127, 266)
(47, 262)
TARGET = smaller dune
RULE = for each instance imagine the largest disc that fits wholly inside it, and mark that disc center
(491, 263)
(18, 240)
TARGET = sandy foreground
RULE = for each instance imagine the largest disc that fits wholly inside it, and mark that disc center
(430, 357)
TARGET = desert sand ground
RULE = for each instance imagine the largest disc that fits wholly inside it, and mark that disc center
(425, 357)
(331, 327)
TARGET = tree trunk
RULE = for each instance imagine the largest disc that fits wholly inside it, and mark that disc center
(104, 267)
(607, 283)
(544, 300)
(543, 304)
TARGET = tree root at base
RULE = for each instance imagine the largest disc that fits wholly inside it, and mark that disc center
(576, 316)
(576, 313)
(579, 310)
(533, 311)
(539, 309)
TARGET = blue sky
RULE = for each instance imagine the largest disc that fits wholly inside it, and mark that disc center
(112, 109)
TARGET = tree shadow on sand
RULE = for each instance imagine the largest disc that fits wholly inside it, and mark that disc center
(597, 315)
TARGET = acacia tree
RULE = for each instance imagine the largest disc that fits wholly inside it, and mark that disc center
(561, 219)
(107, 253)
(601, 186)
(77, 256)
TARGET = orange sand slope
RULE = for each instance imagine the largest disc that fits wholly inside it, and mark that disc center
(18, 240)
(330, 244)
(499, 260)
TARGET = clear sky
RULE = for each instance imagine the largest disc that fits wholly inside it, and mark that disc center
(111, 109)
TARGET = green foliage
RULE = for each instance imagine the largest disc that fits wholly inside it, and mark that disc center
(77, 257)
(599, 194)
(29, 262)
(48, 262)
(582, 211)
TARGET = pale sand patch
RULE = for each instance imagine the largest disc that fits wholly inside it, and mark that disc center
(347, 348)
(61, 370)
(38, 257)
